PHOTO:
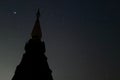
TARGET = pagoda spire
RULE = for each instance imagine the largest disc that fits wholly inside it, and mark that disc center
(36, 32)
(34, 65)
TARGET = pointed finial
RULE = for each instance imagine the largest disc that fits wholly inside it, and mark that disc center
(36, 32)
(38, 13)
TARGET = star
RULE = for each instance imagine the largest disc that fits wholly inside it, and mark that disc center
(14, 12)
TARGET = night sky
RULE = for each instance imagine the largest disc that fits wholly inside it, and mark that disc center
(81, 37)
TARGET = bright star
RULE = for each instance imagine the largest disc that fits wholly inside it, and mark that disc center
(14, 12)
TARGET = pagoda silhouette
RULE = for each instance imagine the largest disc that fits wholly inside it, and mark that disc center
(34, 65)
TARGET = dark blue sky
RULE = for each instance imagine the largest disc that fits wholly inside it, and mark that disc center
(81, 37)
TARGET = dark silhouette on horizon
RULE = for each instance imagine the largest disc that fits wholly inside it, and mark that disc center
(34, 65)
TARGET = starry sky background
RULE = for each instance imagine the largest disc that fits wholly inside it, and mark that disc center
(81, 37)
